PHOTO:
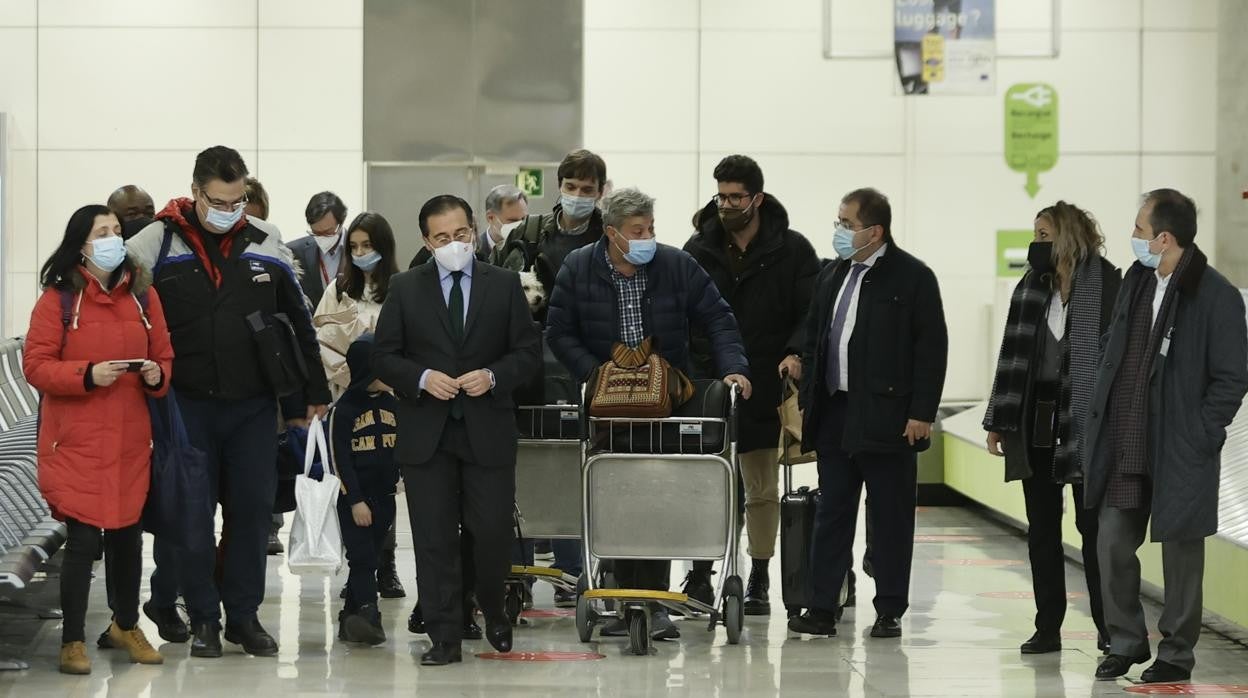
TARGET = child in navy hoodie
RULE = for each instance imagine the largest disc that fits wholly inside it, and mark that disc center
(362, 433)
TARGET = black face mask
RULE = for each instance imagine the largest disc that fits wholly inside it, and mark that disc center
(130, 228)
(1040, 257)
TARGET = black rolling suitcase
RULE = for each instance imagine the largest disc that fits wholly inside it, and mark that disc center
(797, 525)
(797, 517)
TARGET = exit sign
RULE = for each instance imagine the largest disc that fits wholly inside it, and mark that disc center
(529, 181)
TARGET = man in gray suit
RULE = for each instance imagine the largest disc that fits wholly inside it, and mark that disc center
(1173, 375)
(323, 252)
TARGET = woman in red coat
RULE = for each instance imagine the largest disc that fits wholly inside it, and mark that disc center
(95, 355)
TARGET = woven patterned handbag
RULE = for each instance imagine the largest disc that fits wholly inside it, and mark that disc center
(638, 383)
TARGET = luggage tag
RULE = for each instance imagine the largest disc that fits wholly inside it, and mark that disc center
(691, 429)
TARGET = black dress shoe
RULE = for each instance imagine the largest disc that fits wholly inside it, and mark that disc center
(1116, 665)
(252, 636)
(814, 622)
(363, 626)
(416, 621)
(886, 626)
(1165, 672)
(441, 654)
(499, 635)
(1040, 643)
(206, 639)
(169, 623)
(472, 631)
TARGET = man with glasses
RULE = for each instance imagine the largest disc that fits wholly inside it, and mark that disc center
(455, 340)
(624, 288)
(766, 272)
(321, 252)
(873, 369)
(214, 267)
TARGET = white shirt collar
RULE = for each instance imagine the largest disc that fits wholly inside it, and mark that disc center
(443, 272)
(875, 257)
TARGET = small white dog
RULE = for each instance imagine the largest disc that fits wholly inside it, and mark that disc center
(534, 292)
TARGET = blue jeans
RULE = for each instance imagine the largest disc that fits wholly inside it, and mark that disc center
(567, 554)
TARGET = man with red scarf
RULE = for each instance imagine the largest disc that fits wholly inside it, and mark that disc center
(213, 267)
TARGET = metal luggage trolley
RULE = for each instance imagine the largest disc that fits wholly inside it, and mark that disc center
(548, 455)
(662, 489)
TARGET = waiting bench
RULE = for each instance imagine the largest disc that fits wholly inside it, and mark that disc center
(29, 536)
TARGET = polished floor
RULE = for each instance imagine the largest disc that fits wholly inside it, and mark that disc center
(970, 610)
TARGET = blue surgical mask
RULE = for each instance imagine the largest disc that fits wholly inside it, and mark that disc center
(108, 253)
(640, 252)
(576, 207)
(1142, 253)
(843, 243)
(223, 221)
(366, 262)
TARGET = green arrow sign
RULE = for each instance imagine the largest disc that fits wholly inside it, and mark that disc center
(529, 181)
(1031, 131)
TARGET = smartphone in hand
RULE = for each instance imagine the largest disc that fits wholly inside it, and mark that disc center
(132, 365)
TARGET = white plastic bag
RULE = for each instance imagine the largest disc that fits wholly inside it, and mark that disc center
(315, 537)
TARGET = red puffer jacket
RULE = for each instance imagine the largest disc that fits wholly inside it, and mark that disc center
(95, 446)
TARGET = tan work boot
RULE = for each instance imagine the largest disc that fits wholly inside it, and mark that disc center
(135, 642)
(74, 658)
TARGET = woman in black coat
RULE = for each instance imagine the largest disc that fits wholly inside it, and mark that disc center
(1040, 396)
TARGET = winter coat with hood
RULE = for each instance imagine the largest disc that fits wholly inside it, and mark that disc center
(770, 294)
(210, 284)
(95, 442)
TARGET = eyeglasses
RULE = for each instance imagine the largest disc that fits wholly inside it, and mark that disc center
(226, 206)
(334, 232)
(461, 235)
(735, 199)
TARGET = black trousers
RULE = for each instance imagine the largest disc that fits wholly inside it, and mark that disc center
(891, 480)
(239, 438)
(1044, 499)
(644, 574)
(364, 547)
(449, 491)
(123, 564)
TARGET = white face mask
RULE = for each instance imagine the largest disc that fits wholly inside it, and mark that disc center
(327, 242)
(454, 256)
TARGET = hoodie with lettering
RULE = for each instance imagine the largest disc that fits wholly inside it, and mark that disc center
(363, 431)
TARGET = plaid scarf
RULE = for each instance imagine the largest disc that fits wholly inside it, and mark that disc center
(1018, 351)
(1081, 347)
(1128, 399)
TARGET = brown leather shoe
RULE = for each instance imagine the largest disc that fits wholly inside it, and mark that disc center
(135, 642)
(74, 658)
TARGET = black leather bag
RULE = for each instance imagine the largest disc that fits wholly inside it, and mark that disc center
(281, 360)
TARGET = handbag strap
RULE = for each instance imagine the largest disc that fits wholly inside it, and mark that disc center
(316, 444)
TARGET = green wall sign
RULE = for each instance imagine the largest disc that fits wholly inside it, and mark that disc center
(1031, 131)
(529, 181)
(1012, 252)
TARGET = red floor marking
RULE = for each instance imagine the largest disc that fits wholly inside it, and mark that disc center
(970, 562)
(947, 538)
(542, 656)
(1024, 595)
(549, 613)
(1188, 689)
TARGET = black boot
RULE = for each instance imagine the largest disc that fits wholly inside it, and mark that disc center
(698, 584)
(757, 601)
(388, 584)
(363, 626)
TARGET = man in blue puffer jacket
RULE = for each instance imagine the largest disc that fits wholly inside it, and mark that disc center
(627, 287)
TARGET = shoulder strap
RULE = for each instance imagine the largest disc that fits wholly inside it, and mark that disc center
(532, 232)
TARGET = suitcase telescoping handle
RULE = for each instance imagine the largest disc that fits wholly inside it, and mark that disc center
(786, 463)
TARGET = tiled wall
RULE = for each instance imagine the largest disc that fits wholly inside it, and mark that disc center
(101, 94)
(673, 85)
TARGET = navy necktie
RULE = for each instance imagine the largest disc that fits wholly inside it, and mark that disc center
(455, 307)
(832, 377)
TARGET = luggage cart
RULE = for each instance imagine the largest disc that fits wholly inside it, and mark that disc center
(662, 489)
(548, 456)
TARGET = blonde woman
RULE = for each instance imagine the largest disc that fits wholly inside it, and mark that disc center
(1045, 374)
